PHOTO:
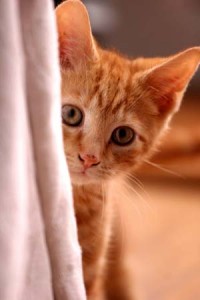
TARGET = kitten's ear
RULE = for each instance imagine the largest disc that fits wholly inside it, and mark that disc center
(76, 43)
(168, 81)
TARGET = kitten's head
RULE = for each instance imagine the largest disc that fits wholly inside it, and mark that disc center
(113, 109)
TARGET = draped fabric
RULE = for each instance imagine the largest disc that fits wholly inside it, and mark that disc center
(40, 256)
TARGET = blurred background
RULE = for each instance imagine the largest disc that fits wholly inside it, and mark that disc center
(164, 218)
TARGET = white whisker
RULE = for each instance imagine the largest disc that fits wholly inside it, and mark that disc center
(164, 169)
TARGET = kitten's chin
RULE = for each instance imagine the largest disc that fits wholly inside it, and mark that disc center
(83, 179)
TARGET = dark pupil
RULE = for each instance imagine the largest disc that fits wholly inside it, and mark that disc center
(122, 133)
(71, 113)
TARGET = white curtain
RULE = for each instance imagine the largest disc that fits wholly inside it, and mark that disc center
(40, 256)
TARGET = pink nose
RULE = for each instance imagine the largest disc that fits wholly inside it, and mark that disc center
(88, 160)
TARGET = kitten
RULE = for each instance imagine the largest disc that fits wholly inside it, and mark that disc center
(114, 111)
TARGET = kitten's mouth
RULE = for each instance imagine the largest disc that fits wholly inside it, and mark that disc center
(81, 177)
(81, 174)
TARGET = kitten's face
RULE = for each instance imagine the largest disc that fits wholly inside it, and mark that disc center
(113, 109)
(105, 117)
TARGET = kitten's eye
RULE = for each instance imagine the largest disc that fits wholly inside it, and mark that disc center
(71, 115)
(123, 136)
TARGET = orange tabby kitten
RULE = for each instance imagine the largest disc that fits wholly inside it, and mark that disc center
(114, 111)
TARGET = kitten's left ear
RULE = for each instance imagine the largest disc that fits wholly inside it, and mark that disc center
(76, 43)
(168, 81)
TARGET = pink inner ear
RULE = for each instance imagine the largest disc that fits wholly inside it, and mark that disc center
(64, 53)
(72, 49)
(165, 104)
(167, 83)
(164, 90)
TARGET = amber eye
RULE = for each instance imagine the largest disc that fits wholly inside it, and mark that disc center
(71, 115)
(123, 136)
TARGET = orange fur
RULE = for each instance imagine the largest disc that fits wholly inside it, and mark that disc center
(111, 91)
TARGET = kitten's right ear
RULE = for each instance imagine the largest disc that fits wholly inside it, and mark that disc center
(76, 44)
(168, 81)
